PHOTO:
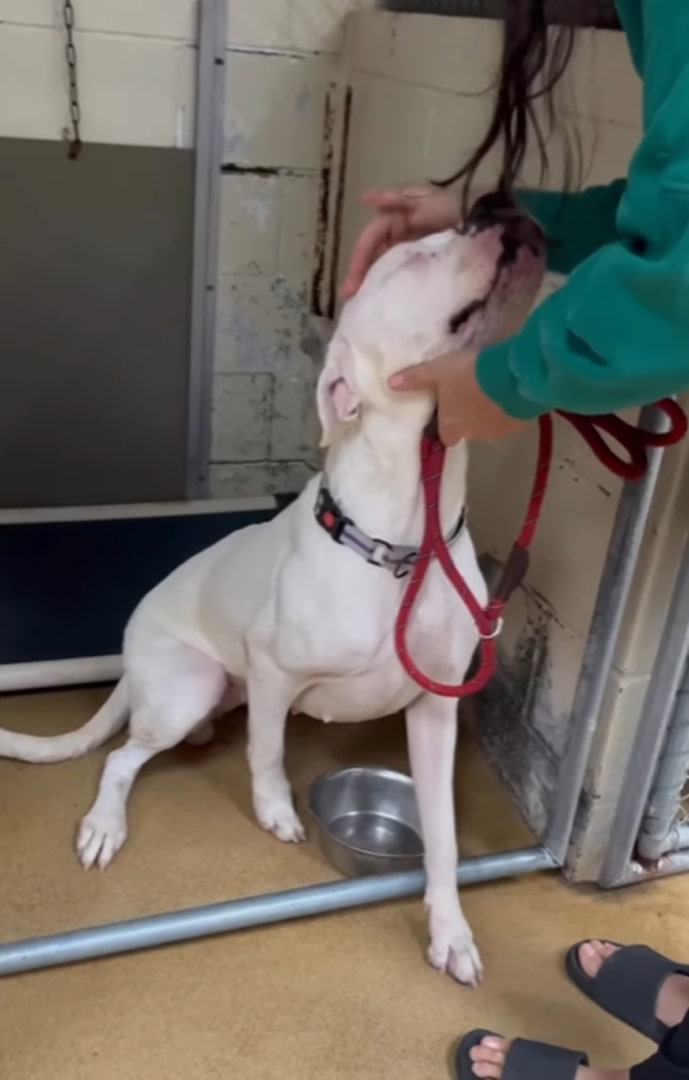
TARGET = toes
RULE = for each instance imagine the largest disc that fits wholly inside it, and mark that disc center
(290, 832)
(487, 1071)
(464, 964)
(593, 954)
(99, 840)
(488, 1058)
(494, 1042)
(607, 949)
(457, 957)
(284, 823)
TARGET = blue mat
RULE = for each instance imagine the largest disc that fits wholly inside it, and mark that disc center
(68, 588)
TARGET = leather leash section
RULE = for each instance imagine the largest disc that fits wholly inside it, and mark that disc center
(634, 441)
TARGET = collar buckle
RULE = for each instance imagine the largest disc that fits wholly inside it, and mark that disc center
(329, 516)
(379, 553)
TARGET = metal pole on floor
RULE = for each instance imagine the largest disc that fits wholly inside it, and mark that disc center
(133, 935)
(606, 623)
(668, 669)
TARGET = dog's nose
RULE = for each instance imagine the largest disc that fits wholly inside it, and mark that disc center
(519, 230)
(486, 212)
(524, 231)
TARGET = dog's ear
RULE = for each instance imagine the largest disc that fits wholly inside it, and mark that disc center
(337, 396)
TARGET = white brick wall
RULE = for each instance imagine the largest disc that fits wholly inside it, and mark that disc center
(136, 78)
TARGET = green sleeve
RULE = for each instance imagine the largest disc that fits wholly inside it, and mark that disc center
(576, 225)
(614, 336)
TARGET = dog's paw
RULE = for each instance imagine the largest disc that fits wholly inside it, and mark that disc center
(282, 820)
(99, 839)
(456, 954)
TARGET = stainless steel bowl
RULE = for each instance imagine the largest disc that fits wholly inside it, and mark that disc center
(367, 819)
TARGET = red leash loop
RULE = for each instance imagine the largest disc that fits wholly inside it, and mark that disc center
(634, 441)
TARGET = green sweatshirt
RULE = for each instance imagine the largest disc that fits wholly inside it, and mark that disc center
(616, 334)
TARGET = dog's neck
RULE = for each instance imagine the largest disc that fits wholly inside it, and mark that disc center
(374, 474)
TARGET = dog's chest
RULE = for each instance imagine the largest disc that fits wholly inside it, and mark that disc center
(343, 650)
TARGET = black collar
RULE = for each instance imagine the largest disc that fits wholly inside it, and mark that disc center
(398, 558)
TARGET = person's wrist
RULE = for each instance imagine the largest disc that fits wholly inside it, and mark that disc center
(452, 208)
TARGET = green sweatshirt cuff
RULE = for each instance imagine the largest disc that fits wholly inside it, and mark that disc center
(547, 207)
(495, 378)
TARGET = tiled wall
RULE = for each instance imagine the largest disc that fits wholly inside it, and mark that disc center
(416, 110)
(280, 96)
(136, 78)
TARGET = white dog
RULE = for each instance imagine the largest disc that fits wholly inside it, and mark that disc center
(298, 613)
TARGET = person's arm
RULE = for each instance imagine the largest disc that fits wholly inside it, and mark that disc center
(576, 224)
(616, 335)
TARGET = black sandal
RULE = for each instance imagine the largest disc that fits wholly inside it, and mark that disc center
(526, 1060)
(661, 1065)
(627, 985)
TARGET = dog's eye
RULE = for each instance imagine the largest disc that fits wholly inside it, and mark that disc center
(464, 314)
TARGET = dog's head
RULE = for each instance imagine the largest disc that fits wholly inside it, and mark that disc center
(453, 290)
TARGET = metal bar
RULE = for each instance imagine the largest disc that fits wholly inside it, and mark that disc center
(675, 842)
(668, 669)
(660, 831)
(209, 129)
(636, 873)
(678, 839)
(606, 623)
(191, 923)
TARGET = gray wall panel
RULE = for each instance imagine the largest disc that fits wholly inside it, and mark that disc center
(95, 286)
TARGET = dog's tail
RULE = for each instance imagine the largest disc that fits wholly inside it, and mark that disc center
(109, 719)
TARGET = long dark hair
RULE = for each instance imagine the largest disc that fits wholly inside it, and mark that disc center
(534, 58)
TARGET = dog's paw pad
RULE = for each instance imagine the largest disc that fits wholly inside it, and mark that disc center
(459, 958)
(283, 822)
(99, 839)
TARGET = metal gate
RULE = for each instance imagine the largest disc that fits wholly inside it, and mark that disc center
(650, 833)
(665, 825)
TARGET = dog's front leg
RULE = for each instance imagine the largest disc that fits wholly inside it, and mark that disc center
(269, 696)
(431, 736)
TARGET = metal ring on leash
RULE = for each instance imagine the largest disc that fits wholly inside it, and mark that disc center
(495, 632)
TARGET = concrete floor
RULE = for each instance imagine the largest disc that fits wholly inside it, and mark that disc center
(346, 996)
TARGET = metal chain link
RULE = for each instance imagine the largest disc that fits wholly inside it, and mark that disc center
(71, 56)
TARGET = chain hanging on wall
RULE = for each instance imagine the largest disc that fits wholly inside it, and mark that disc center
(74, 146)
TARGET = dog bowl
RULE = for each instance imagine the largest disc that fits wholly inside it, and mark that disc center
(368, 822)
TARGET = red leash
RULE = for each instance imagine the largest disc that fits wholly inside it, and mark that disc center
(635, 441)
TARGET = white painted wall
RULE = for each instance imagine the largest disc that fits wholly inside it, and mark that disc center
(136, 80)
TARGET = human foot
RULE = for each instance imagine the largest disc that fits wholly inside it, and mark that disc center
(489, 1056)
(672, 1001)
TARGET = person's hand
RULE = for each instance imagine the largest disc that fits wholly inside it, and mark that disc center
(464, 411)
(401, 214)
